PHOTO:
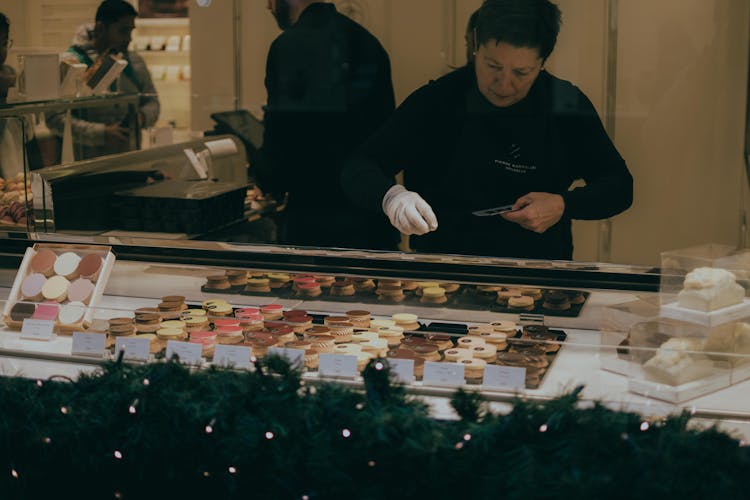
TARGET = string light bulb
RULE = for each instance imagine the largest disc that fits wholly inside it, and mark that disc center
(146, 381)
(118, 454)
(14, 473)
(467, 437)
(543, 428)
(371, 463)
(39, 383)
(644, 426)
(379, 366)
(47, 440)
(232, 469)
(64, 410)
(346, 433)
(210, 427)
(269, 435)
(132, 407)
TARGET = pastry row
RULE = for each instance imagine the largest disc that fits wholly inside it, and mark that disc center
(354, 333)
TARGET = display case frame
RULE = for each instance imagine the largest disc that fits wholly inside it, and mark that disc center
(183, 260)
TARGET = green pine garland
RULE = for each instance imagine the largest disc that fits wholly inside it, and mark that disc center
(267, 434)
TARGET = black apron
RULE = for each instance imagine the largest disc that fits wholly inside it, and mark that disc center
(501, 155)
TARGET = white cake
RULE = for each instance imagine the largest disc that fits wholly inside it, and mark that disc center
(708, 289)
(674, 365)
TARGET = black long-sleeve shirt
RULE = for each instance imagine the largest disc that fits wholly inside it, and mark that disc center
(329, 88)
(462, 154)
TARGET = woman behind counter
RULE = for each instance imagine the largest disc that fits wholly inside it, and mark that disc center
(501, 131)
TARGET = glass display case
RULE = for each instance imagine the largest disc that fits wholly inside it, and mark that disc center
(499, 326)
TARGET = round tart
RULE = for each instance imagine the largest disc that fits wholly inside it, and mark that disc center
(81, 290)
(67, 265)
(343, 288)
(473, 370)
(556, 301)
(360, 319)
(392, 335)
(427, 351)
(89, 266)
(71, 313)
(521, 303)
(309, 289)
(363, 285)
(382, 323)
(433, 295)
(480, 329)
(43, 262)
(575, 296)
(487, 352)
(470, 341)
(406, 321)
(171, 334)
(31, 287)
(457, 354)
(498, 339)
(217, 282)
(534, 293)
(22, 311)
(47, 311)
(56, 288)
(442, 340)
(506, 327)
(364, 336)
(322, 342)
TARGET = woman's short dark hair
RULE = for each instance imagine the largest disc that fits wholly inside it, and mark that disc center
(4, 24)
(522, 23)
(111, 11)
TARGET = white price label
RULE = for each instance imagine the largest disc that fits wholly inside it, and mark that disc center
(37, 329)
(338, 365)
(443, 374)
(403, 369)
(89, 344)
(296, 357)
(504, 377)
(232, 356)
(135, 348)
(188, 352)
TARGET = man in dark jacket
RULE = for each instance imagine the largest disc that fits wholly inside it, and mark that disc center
(329, 88)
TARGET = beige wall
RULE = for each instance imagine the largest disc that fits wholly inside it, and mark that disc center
(212, 61)
(680, 123)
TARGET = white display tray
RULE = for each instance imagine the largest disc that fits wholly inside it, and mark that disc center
(709, 319)
(680, 393)
(108, 262)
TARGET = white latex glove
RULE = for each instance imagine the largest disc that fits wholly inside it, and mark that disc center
(408, 212)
